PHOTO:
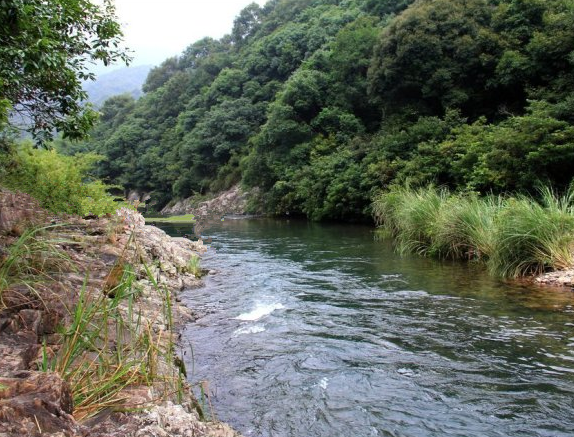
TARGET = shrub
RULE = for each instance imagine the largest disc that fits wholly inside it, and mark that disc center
(60, 183)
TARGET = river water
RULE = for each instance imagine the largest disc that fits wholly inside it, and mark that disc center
(318, 330)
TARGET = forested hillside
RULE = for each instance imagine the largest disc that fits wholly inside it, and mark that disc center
(320, 103)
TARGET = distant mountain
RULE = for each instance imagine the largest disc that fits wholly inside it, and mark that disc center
(121, 81)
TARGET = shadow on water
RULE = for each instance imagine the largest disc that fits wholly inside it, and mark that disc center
(318, 330)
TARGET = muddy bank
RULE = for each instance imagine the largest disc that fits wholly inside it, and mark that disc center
(87, 263)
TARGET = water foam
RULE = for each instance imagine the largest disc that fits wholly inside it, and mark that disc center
(248, 330)
(259, 311)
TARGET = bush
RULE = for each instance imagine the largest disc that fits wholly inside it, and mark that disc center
(61, 184)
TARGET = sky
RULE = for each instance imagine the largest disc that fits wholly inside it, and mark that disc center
(157, 29)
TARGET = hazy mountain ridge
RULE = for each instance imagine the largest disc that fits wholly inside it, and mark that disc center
(121, 81)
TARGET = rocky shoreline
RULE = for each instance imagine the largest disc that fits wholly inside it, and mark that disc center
(561, 278)
(93, 256)
(233, 202)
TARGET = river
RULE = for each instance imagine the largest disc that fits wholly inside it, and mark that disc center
(318, 330)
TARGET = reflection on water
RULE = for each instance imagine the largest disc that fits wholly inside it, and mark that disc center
(317, 330)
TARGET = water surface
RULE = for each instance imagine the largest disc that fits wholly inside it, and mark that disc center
(318, 330)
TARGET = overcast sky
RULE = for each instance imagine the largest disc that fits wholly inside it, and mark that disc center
(158, 29)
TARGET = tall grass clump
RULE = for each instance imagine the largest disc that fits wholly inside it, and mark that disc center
(514, 236)
(533, 237)
(109, 347)
(194, 266)
(465, 230)
(411, 216)
(31, 259)
(96, 368)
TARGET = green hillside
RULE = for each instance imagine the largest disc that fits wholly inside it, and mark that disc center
(321, 103)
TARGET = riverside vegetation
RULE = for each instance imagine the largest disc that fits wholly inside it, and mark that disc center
(87, 307)
(318, 105)
(514, 236)
(321, 103)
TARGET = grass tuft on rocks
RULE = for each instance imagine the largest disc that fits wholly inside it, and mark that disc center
(107, 346)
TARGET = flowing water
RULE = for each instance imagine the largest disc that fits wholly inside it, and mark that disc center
(318, 330)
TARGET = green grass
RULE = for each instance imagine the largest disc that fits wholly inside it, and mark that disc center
(187, 218)
(514, 236)
(33, 258)
(194, 266)
(534, 237)
(411, 216)
(464, 229)
(107, 345)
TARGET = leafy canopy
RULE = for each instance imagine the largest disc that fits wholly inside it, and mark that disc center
(321, 103)
(45, 51)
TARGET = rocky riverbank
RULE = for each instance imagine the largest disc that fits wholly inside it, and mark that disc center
(560, 278)
(82, 297)
(231, 202)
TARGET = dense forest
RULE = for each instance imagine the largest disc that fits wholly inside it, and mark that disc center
(321, 103)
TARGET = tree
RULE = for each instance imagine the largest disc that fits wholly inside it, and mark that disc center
(438, 55)
(45, 51)
(160, 75)
(246, 24)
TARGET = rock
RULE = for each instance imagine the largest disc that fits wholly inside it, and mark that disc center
(186, 315)
(190, 281)
(31, 320)
(137, 196)
(171, 420)
(17, 211)
(17, 357)
(563, 278)
(172, 255)
(230, 202)
(36, 403)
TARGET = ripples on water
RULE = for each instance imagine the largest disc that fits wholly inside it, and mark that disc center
(316, 330)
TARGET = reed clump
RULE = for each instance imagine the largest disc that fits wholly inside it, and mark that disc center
(513, 236)
(108, 341)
